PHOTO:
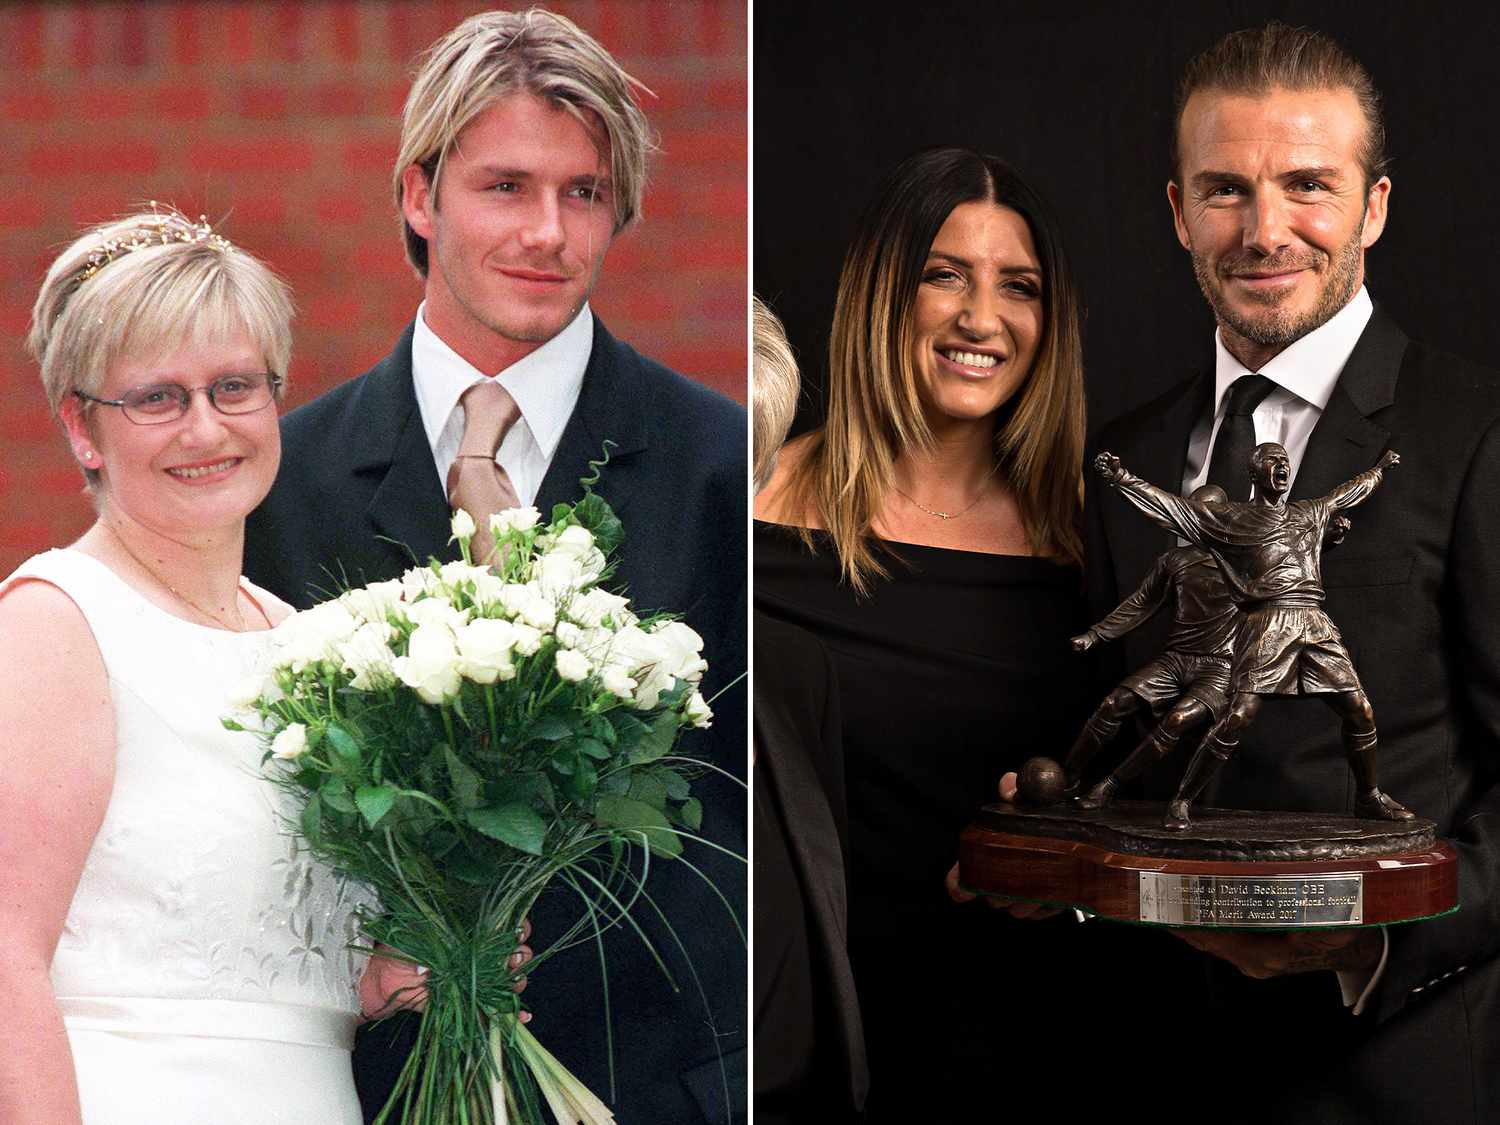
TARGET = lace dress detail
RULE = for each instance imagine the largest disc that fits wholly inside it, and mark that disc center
(205, 971)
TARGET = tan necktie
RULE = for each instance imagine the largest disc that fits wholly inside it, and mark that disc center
(476, 483)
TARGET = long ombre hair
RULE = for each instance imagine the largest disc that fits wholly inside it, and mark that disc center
(874, 401)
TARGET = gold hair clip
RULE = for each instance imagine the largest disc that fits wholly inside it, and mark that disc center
(163, 231)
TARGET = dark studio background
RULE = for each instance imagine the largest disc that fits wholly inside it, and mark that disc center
(1080, 101)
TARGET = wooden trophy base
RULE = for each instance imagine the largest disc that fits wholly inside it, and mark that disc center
(1232, 869)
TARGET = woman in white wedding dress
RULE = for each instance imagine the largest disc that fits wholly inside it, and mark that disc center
(169, 955)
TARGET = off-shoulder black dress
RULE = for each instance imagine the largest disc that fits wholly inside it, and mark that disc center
(956, 669)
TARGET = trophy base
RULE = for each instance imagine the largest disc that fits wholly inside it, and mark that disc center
(1232, 869)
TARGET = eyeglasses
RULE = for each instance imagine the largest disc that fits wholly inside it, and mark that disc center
(166, 402)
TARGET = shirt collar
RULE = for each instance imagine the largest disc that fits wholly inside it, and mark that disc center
(545, 383)
(1308, 368)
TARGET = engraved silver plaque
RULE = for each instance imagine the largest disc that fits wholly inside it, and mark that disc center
(1278, 901)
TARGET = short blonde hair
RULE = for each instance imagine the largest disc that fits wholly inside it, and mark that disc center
(493, 54)
(153, 292)
(773, 392)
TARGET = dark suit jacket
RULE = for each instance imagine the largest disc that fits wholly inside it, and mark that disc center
(1415, 590)
(358, 496)
(799, 751)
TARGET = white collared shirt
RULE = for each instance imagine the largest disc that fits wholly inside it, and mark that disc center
(545, 385)
(1305, 374)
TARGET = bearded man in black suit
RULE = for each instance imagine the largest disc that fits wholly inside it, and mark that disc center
(522, 155)
(1278, 190)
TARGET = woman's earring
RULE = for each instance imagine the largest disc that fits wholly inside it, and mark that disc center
(88, 456)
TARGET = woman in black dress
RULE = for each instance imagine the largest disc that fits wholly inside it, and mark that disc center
(927, 535)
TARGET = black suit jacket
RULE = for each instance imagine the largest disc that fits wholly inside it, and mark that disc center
(358, 496)
(799, 752)
(1415, 590)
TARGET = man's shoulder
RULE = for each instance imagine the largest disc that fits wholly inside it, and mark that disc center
(1442, 374)
(346, 405)
(1132, 422)
(679, 411)
(671, 389)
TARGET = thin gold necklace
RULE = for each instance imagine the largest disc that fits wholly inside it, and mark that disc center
(183, 598)
(949, 515)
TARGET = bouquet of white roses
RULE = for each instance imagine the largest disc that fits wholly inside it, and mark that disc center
(461, 737)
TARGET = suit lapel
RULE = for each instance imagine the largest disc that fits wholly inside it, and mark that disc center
(1345, 442)
(613, 405)
(409, 505)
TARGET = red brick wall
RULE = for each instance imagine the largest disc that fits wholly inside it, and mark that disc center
(281, 120)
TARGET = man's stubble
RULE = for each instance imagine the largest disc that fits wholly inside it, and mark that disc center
(1280, 327)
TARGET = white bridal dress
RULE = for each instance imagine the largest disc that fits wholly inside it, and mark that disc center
(204, 972)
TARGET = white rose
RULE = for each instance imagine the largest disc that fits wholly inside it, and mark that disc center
(526, 601)
(616, 681)
(484, 649)
(558, 576)
(290, 743)
(455, 574)
(435, 611)
(528, 640)
(368, 658)
(513, 519)
(644, 656)
(698, 712)
(593, 606)
(684, 650)
(310, 636)
(574, 540)
(430, 665)
(572, 666)
(246, 693)
(568, 634)
(463, 525)
(417, 581)
(487, 587)
(373, 602)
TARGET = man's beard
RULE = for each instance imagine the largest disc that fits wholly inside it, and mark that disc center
(1278, 326)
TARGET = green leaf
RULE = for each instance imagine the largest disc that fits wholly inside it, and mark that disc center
(594, 512)
(342, 742)
(645, 787)
(312, 821)
(470, 868)
(593, 748)
(466, 782)
(230, 724)
(335, 795)
(617, 782)
(515, 824)
(585, 781)
(560, 512)
(675, 784)
(602, 729)
(375, 801)
(550, 728)
(564, 760)
(657, 740)
(692, 813)
(637, 816)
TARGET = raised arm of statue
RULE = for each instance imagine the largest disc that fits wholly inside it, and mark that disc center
(1358, 490)
(1185, 518)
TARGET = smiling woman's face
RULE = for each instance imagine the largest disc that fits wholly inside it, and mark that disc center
(201, 472)
(977, 319)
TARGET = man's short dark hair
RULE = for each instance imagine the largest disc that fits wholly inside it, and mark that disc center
(1257, 60)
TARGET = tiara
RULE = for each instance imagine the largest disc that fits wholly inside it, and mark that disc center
(162, 230)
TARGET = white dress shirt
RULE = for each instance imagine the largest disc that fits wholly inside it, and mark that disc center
(545, 385)
(1305, 374)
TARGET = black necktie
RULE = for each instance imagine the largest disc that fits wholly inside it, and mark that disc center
(1229, 467)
